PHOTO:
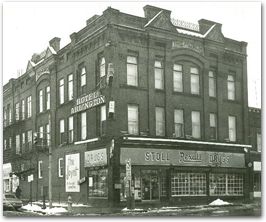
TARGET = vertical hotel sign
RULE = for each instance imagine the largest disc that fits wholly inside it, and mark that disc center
(88, 101)
(72, 173)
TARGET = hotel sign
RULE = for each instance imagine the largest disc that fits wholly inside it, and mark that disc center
(88, 101)
(141, 156)
(95, 158)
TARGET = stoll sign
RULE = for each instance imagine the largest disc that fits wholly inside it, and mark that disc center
(88, 101)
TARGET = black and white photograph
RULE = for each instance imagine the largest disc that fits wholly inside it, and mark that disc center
(125, 109)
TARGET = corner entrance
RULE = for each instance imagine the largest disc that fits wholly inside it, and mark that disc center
(149, 185)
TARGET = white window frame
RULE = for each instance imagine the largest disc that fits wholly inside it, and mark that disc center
(178, 77)
(83, 131)
(61, 130)
(195, 124)
(212, 84)
(160, 121)
(61, 91)
(194, 81)
(232, 128)
(60, 166)
(83, 77)
(40, 100)
(158, 75)
(70, 87)
(71, 129)
(132, 71)
(231, 87)
(40, 169)
(179, 123)
(48, 97)
(133, 120)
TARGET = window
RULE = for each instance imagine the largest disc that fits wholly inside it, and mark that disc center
(83, 80)
(257, 182)
(132, 71)
(102, 67)
(10, 142)
(83, 126)
(41, 132)
(23, 142)
(18, 144)
(10, 114)
(41, 101)
(226, 184)
(194, 81)
(188, 184)
(70, 129)
(133, 119)
(212, 84)
(98, 183)
(61, 91)
(5, 117)
(259, 142)
(231, 87)
(29, 106)
(5, 144)
(178, 78)
(62, 130)
(48, 136)
(103, 120)
(232, 128)
(158, 75)
(60, 167)
(70, 87)
(17, 111)
(40, 169)
(213, 126)
(29, 139)
(195, 117)
(23, 109)
(48, 97)
(179, 123)
(160, 121)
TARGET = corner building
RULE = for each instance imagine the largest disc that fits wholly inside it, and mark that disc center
(168, 96)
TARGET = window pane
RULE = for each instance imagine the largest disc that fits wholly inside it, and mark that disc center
(178, 82)
(159, 84)
(70, 87)
(83, 77)
(48, 97)
(194, 84)
(61, 91)
(195, 124)
(23, 109)
(231, 87)
(29, 106)
(133, 119)
(132, 59)
(62, 126)
(232, 128)
(102, 67)
(103, 113)
(160, 121)
(194, 70)
(132, 74)
(83, 125)
(212, 120)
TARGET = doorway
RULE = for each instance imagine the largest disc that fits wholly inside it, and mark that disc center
(149, 185)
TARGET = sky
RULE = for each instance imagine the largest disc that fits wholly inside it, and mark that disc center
(28, 27)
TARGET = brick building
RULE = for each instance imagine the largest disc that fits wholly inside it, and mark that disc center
(167, 97)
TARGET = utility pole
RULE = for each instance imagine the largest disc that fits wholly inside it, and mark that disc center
(50, 167)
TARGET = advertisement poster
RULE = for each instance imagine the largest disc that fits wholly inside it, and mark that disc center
(72, 173)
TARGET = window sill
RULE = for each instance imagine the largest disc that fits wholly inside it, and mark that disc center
(159, 90)
(232, 101)
(132, 87)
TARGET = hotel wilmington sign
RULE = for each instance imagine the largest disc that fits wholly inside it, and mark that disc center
(182, 158)
(88, 101)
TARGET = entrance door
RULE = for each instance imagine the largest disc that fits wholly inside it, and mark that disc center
(149, 185)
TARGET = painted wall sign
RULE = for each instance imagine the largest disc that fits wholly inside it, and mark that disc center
(88, 101)
(95, 158)
(72, 173)
(141, 156)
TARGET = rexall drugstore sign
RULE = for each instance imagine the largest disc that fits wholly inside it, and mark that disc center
(72, 173)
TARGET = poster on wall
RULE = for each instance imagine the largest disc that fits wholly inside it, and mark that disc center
(72, 173)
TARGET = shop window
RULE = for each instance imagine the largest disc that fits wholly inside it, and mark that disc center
(188, 184)
(195, 117)
(194, 81)
(132, 71)
(226, 184)
(179, 123)
(178, 78)
(257, 182)
(98, 185)
(163, 186)
(212, 84)
(230, 87)
(133, 119)
(158, 75)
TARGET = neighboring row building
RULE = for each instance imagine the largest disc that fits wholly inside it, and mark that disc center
(168, 95)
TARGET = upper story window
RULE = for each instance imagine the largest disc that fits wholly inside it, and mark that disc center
(48, 136)
(103, 120)
(179, 123)
(60, 167)
(158, 75)
(83, 126)
(194, 81)
(160, 121)
(212, 84)
(232, 128)
(178, 78)
(5, 117)
(23, 109)
(17, 111)
(41, 133)
(195, 117)
(29, 136)
(70, 87)
(29, 106)
(132, 71)
(231, 87)
(61, 91)
(83, 80)
(259, 142)
(10, 114)
(213, 126)
(18, 144)
(10, 142)
(62, 130)
(102, 67)
(70, 129)
(133, 119)
(41, 101)
(5, 144)
(48, 98)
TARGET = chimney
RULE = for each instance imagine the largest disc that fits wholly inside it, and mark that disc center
(205, 25)
(151, 11)
(55, 43)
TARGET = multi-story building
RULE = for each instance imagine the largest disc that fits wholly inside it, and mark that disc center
(149, 105)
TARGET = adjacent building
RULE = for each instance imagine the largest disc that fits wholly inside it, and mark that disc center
(151, 106)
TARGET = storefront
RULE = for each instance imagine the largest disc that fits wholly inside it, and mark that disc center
(171, 174)
(7, 185)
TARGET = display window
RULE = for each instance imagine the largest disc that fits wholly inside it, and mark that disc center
(97, 182)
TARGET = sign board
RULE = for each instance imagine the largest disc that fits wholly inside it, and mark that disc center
(257, 166)
(72, 173)
(82, 180)
(30, 178)
(88, 101)
(142, 156)
(95, 158)
(90, 181)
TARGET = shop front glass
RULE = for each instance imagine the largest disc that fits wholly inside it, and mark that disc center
(97, 183)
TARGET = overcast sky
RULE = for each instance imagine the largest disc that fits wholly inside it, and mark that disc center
(28, 27)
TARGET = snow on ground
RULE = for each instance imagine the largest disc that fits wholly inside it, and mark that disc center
(36, 208)
(219, 202)
(135, 209)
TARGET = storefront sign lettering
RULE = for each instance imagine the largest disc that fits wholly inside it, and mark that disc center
(95, 158)
(87, 102)
(142, 156)
(72, 173)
